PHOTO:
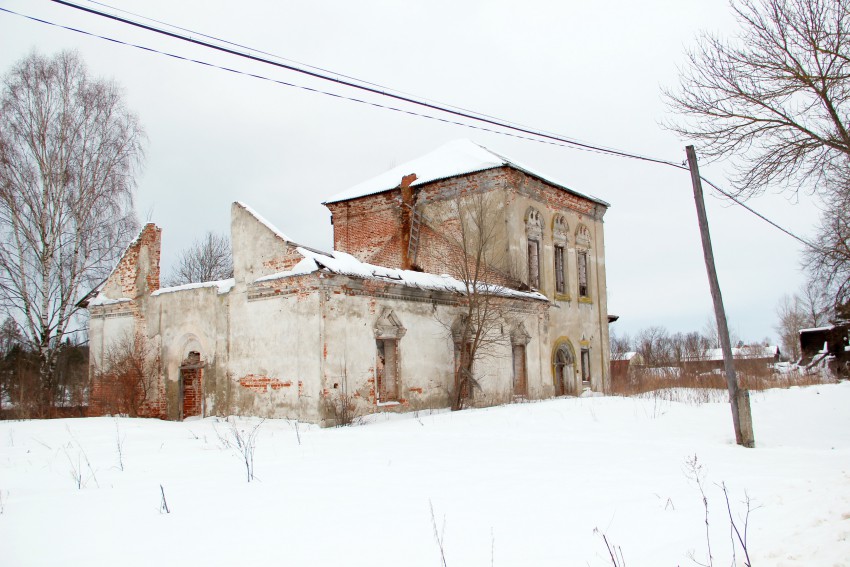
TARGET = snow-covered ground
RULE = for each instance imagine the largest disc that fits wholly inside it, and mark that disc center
(525, 484)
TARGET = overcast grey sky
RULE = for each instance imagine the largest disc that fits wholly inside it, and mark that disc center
(588, 70)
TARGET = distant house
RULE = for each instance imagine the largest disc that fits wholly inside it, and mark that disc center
(374, 321)
(622, 364)
(748, 357)
(829, 344)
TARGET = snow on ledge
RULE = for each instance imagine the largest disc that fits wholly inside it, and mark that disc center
(347, 265)
(264, 222)
(100, 301)
(223, 286)
(305, 266)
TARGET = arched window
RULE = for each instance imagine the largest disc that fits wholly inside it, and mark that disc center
(534, 234)
(582, 251)
(560, 229)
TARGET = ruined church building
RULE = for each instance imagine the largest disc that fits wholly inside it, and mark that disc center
(373, 321)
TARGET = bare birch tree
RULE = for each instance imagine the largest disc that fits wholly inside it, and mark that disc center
(206, 260)
(69, 150)
(775, 98)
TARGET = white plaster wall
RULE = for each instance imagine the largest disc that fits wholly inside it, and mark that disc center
(426, 353)
(105, 331)
(571, 319)
(277, 338)
(184, 321)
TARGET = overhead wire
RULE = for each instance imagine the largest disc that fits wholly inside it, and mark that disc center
(293, 61)
(348, 83)
(517, 131)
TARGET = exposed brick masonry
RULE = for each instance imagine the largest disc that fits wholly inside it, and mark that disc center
(371, 228)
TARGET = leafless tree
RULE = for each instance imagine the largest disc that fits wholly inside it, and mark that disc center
(816, 302)
(654, 346)
(695, 346)
(808, 308)
(829, 260)
(709, 331)
(69, 149)
(206, 260)
(620, 346)
(129, 373)
(474, 253)
(776, 97)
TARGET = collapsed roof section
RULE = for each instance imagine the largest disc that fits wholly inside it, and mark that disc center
(259, 247)
(347, 265)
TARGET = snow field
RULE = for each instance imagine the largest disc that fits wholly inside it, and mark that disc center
(527, 483)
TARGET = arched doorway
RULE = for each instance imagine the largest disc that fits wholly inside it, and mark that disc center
(564, 370)
(191, 386)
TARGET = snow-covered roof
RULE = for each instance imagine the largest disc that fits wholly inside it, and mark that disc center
(458, 157)
(345, 264)
(817, 329)
(754, 351)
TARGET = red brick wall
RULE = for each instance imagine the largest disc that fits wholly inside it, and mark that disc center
(192, 391)
(370, 228)
(110, 394)
(128, 267)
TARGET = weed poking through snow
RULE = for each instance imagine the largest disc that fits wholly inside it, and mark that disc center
(242, 442)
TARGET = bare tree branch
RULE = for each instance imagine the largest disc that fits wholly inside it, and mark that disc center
(206, 260)
(774, 98)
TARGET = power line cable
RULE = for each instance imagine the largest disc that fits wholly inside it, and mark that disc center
(366, 88)
(582, 147)
(550, 139)
(307, 65)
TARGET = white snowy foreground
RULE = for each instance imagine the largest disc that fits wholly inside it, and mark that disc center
(521, 485)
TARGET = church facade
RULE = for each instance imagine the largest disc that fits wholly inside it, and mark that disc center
(381, 323)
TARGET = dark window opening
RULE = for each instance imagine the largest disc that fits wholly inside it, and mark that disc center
(387, 370)
(559, 270)
(534, 264)
(585, 368)
(520, 374)
(583, 290)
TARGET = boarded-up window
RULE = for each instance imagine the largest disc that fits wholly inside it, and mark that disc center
(520, 379)
(534, 263)
(387, 370)
(583, 289)
(559, 270)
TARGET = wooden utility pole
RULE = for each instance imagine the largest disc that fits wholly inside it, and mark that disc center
(738, 399)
